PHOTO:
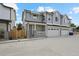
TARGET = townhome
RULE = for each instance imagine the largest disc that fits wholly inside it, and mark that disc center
(45, 24)
(7, 20)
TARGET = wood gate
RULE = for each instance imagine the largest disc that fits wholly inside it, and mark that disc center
(17, 34)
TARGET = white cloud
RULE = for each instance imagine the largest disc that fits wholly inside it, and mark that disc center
(17, 14)
(42, 9)
(74, 10)
(70, 12)
(13, 5)
(49, 9)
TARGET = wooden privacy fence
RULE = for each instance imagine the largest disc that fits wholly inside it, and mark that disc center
(17, 34)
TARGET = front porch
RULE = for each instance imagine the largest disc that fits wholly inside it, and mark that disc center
(40, 31)
(35, 30)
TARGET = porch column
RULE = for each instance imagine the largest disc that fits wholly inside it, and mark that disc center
(46, 30)
(34, 26)
(6, 32)
(27, 27)
(35, 35)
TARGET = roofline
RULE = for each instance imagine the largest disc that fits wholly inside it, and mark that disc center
(29, 11)
(67, 16)
(6, 20)
(7, 6)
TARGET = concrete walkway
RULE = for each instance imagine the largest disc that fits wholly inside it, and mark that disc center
(60, 46)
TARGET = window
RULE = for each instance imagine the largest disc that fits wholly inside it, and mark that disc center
(56, 19)
(51, 28)
(48, 18)
(64, 20)
(43, 17)
(34, 16)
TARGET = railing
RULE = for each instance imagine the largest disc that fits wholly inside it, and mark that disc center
(40, 33)
(36, 20)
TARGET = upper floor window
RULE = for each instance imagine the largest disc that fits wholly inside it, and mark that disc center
(64, 20)
(43, 17)
(56, 19)
(34, 16)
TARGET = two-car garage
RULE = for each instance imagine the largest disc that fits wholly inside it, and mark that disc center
(55, 31)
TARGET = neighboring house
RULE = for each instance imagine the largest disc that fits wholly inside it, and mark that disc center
(45, 24)
(7, 20)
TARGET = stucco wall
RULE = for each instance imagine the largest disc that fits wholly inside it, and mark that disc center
(13, 18)
(3, 27)
(65, 21)
(54, 19)
(4, 13)
(49, 19)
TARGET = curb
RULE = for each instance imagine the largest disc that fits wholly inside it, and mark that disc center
(20, 40)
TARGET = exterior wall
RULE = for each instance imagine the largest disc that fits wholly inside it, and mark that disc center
(49, 18)
(3, 27)
(7, 13)
(13, 18)
(4, 13)
(65, 21)
(30, 16)
(7, 18)
(56, 14)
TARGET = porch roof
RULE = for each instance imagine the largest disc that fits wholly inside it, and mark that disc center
(4, 20)
(36, 23)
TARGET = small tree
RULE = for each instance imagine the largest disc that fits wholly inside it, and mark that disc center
(72, 25)
(19, 26)
(77, 28)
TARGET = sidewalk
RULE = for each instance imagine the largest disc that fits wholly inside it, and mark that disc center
(20, 40)
(30, 39)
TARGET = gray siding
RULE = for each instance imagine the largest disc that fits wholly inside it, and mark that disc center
(30, 17)
(13, 18)
(65, 21)
(49, 18)
(4, 13)
(8, 14)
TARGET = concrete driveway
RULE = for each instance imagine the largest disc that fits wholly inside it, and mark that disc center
(60, 46)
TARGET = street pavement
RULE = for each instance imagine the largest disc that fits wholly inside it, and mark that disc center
(57, 46)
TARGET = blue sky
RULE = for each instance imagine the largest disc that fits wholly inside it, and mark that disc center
(71, 9)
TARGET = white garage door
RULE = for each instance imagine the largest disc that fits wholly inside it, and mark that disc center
(64, 32)
(53, 33)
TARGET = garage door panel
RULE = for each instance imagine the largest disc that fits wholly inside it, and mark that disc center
(53, 32)
(64, 32)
